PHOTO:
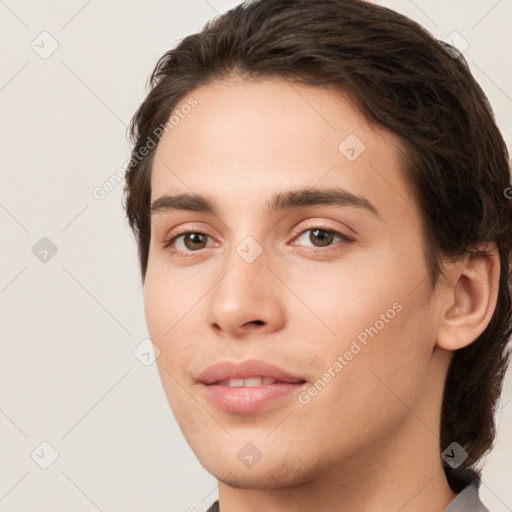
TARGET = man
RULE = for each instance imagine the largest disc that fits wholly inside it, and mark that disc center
(324, 238)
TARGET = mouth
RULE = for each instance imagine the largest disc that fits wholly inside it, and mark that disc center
(248, 386)
(252, 382)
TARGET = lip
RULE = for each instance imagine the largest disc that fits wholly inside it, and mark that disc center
(225, 370)
(243, 400)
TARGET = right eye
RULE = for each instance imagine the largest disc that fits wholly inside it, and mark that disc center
(188, 241)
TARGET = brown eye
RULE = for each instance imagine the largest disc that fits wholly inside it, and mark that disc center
(322, 235)
(195, 240)
(189, 241)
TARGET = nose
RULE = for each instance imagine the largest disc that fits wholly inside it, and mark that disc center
(247, 299)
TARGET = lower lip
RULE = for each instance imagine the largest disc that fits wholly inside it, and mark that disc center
(245, 400)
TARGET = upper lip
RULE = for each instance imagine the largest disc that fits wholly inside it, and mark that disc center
(226, 370)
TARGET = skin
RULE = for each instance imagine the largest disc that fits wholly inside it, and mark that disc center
(369, 440)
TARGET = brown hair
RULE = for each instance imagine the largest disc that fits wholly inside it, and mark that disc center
(404, 79)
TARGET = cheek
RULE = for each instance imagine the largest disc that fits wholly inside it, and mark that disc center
(165, 316)
(340, 300)
(171, 297)
(375, 385)
(374, 325)
(385, 350)
(155, 306)
(174, 303)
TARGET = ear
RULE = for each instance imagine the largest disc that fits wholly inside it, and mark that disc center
(472, 298)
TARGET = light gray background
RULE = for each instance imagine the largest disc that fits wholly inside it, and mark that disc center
(69, 326)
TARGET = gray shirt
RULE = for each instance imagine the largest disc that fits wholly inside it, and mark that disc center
(468, 499)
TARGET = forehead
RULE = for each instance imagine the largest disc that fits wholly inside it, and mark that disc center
(250, 138)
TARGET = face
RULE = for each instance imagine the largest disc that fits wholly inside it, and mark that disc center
(322, 296)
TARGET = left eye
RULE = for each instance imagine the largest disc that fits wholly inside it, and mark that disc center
(324, 236)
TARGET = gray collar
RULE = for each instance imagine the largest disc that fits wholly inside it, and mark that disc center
(468, 499)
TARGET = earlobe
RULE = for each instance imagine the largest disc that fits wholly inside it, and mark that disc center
(473, 298)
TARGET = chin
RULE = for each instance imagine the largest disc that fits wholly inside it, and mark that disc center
(269, 474)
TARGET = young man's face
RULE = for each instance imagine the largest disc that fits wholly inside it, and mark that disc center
(349, 319)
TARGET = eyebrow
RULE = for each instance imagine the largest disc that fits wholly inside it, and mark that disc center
(281, 201)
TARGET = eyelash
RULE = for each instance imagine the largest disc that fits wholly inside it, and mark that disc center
(299, 231)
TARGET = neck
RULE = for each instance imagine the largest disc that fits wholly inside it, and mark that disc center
(405, 479)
